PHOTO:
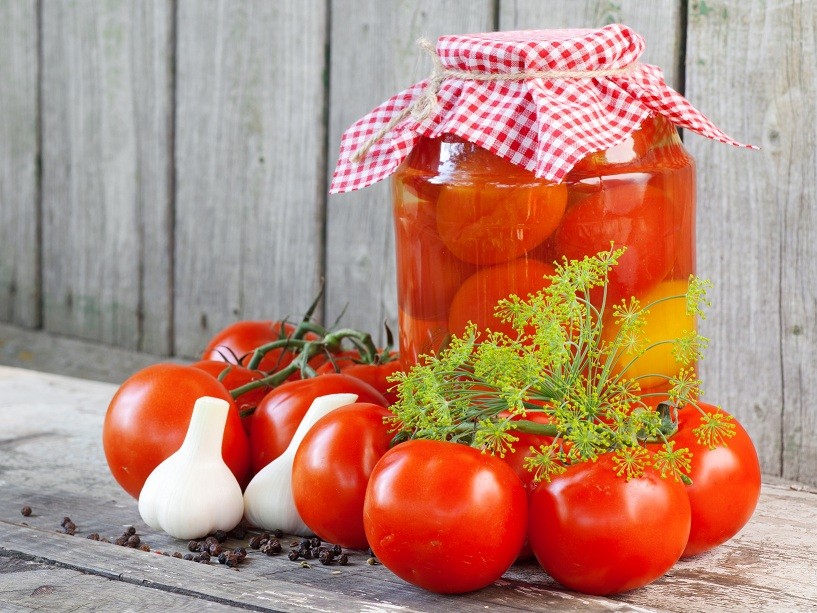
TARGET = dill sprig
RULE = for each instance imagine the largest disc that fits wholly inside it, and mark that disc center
(564, 364)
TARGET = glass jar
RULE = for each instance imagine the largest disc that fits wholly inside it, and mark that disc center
(472, 228)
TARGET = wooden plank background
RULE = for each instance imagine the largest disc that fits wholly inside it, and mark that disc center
(164, 165)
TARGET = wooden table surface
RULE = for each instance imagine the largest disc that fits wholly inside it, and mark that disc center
(51, 459)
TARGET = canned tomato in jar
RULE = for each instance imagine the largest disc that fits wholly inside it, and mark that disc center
(521, 150)
(472, 228)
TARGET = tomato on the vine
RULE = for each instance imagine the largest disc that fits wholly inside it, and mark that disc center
(236, 343)
(147, 420)
(375, 374)
(599, 533)
(233, 376)
(331, 470)
(725, 481)
(274, 422)
(444, 516)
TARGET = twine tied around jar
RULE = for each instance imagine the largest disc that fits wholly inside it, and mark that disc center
(425, 104)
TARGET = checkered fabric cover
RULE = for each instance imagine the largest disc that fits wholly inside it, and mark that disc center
(545, 125)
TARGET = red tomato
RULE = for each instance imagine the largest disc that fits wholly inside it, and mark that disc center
(277, 417)
(500, 214)
(631, 215)
(725, 482)
(331, 470)
(421, 336)
(444, 516)
(428, 274)
(236, 376)
(236, 342)
(597, 533)
(377, 375)
(477, 298)
(521, 448)
(148, 417)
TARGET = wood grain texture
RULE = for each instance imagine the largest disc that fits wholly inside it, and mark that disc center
(756, 219)
(250, 160)
(19, 187)
(374, 56)
(106, 91)
(660, 22)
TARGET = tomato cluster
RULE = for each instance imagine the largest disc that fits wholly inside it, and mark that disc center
(441, 515)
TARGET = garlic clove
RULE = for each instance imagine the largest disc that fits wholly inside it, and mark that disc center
(268, 500)
(193, 492)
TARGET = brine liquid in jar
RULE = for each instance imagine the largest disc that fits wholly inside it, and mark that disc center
(472, 228)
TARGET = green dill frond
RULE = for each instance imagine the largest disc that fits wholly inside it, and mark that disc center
(546, 462)
(673, 462)
(696, 299)
(494, 437)
(689, 348)
(715, 428)
(685, 387)
(630, 462)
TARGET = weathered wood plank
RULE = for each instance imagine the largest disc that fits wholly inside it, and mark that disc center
(61, 355)
(373, 56)
(34, 586)
(19, 189)
(660, 22)
(250, 152)
(106, 119)
(749, 68)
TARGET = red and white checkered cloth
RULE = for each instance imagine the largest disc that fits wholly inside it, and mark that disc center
(545, 125)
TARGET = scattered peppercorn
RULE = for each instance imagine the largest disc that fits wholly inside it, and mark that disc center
(144, 547)
(278, 533)
(94, 536)
(326, 557)
(26, 511)
(256, 542)
(343, 560)
(239, 532)
(65, 520)
(121, 541)
(189, 556)
(134, 541)
(215, 549)
(177, 554)
(193, 546)
(315, 541)
(220, 535)
(240, 552)
(337, 550)
(293, 554)
(130, 531)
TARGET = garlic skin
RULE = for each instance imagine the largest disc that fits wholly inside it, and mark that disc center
(193, 492)
(268, 500)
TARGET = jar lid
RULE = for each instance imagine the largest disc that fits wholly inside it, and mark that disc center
(541, 99)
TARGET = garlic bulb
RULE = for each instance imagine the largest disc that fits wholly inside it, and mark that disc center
(268, 500)
(193, 492)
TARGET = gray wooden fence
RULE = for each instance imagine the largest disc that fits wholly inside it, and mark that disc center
(164, 167)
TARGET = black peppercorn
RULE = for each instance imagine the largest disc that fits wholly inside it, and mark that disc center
(232, 560)
(178, 554)
(315, 541)
(193, 546)
(305, 542)
(337, 550)
(293, 554)
(122, 540)
(215, 549)
(130, 531)
(240, 552)
(256, 542)
(220, 535)
(144, 547)
(65, 520)
(343, 560)
(278, 533)
(305, 553)
(26, 511)
(239, 532)
(189, 556)
(326, 557)
(94, 536)
(222, 558)
(133, 541)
